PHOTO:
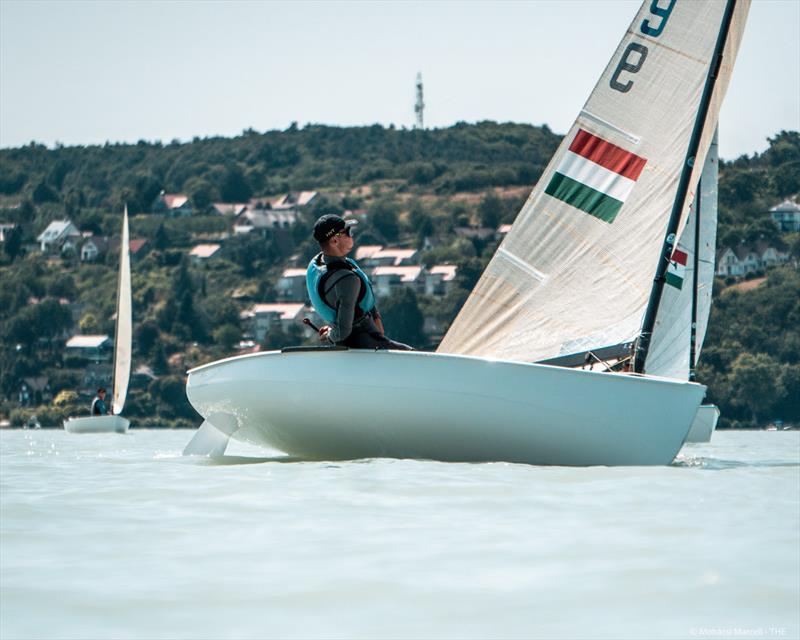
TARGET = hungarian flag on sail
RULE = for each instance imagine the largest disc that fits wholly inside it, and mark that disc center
(676, 269)
(595, 176)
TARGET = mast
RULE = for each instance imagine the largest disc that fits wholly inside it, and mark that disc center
(695, 280)
(670, 239)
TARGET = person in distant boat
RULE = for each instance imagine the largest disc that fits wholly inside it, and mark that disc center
(341, 292)
(99, 407)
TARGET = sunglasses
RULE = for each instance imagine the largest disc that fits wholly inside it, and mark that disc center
(344, 232)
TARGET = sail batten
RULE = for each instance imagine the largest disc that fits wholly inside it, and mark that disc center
(597, 232)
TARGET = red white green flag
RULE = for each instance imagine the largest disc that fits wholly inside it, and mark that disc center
(595, 176)
(677, 268)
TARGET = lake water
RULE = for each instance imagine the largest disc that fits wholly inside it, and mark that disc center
(111, 536)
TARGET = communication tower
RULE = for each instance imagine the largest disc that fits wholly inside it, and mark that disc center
(419, 106)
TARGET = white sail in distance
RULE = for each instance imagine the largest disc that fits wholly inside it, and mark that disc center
(576, 269)
(124, 334)
(669, 348)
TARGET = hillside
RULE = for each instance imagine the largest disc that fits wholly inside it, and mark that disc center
(442, 192)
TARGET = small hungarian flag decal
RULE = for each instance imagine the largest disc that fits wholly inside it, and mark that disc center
(595, 176)
(676, 268)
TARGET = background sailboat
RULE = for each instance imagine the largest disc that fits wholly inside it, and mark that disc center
(122, 351)
(687, 296)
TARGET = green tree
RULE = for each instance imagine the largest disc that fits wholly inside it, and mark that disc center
(756, 381)
(89, 324)
(402, 317)
(235, 187)
(226, 336)
(147, 336)
(490, 210)
(13, 243)
(383, 216)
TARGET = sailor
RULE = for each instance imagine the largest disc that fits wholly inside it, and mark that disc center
(99, 407)
(341, 292)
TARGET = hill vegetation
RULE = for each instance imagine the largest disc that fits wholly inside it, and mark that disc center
(417, 189)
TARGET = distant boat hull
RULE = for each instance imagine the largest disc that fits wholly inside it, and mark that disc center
(97, 424)
(328, 404)
(704, 424)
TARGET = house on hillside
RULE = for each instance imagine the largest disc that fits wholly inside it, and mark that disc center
(138, 248)
(291, 286)
(392, 257)
(439, 279)
(94, 348)
(202, 253)
(260, 319)
(264, 220)
(93, 248)
(57, 233)
(172, 204)
(748, 258)
(228, 209)
(387, 279)
(295, 200)
(786, 215)
(481, 233)
(366, 251)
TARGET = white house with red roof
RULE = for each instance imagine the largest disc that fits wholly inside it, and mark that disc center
(440, 278)
(229, 209)
(172, 204)
(386, 279)
(374, 255)
(366, 251)
(261, 318)
(203, 252)
(291, 286)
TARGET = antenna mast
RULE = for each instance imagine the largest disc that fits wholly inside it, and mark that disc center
(419, 106)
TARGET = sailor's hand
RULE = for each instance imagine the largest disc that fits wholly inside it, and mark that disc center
(324, 333)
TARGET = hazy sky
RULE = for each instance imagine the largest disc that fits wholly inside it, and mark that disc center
(88, 72)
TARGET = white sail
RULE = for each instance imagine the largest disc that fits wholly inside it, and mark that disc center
(124, 334)
(576, 269)
(669, 348)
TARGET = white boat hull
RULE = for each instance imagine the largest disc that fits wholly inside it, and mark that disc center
(330, 404)
(704, 424)
(97, 424)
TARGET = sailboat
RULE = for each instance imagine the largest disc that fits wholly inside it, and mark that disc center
(686, 305)
(580, 275)
(122, 351)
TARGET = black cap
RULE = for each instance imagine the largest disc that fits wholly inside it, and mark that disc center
(329, 225)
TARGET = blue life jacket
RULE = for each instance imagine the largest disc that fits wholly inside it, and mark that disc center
(318, 274)
(99, 407)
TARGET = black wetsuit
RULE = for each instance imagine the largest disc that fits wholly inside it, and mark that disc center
(352, 327)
